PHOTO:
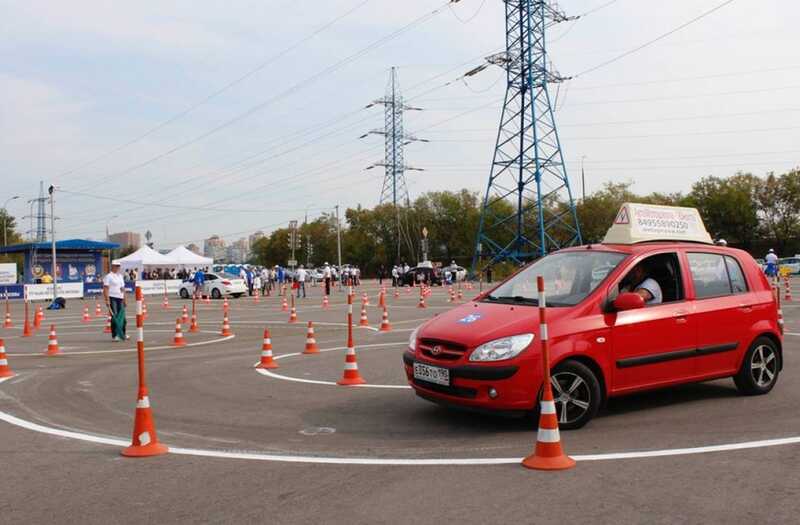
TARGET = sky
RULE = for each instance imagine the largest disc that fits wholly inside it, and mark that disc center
(195, 117)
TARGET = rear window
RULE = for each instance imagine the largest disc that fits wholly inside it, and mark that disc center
(715, 275)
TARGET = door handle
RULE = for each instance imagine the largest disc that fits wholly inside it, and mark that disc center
(680, 316)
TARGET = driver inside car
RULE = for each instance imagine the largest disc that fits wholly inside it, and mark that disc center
(639, 282)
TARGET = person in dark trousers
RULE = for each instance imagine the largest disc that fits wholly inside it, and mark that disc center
(114, 296)
(488, 274)
(381, 274)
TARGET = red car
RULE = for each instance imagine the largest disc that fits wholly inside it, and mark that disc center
(716, 317)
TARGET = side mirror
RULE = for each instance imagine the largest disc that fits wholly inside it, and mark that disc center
(628, 301)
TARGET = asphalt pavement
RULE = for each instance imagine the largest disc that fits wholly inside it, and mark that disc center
(294, 448)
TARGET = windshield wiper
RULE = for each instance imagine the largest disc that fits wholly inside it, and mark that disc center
(514, 299)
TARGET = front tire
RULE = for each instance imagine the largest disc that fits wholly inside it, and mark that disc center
(577, 394)
(760, 368)
(184, 294)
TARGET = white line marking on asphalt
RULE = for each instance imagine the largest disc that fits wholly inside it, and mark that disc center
(254, 456)
(331, 383)
(124, 350)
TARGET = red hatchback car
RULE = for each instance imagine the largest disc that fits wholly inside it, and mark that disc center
(716, 317)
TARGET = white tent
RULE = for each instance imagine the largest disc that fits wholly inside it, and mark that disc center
(145, 256)
(184, 257)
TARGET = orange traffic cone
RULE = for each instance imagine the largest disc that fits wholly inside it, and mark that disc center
(165, 303)
(256, 300)
(385, 326)
(178, 339)
(364, 299)
(788, 289)
(85, 318)
(52, 342)
(107, 329)
(382, 299)
(226, 327)
(548, 454)
(396, 292)
(26, 327)
(185, 315)
(460, 295)
(452, 297)
(37, 318)
(207, 299)
(267, 361)
(284, 305)
(311, 342)
(8, 323)
(194, 327)
(5, 370)
(421, 303)
(144, 310)
(350, 377)
(145, 441)
(363, 321)
(98, 312)
(293, 314)
(225, 304)
(325, 302)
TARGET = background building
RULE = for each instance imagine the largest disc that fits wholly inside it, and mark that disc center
(239, 251)
(214, 247)
(126, 240)
(194, 248)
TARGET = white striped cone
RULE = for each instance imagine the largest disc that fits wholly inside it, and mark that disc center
(363, 321)
(226, 327)
(185, 315)
(52, 342)
(396, 292)
(364, 299)
(165, 303)
(86, 317)
(194, 328)
(351, 376)
(144, 310)
(267, 361)
(325, 302)
(178, 339)
(293, 315)
(107, 329)
(256, 299)
(98, 312)
(385, 326)
(8, 323)
(5, 369)
(284, 305)
(311, 342)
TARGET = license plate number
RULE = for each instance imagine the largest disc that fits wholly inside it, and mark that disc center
(432, 374)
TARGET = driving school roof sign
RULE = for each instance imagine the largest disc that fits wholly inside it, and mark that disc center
(649, 222)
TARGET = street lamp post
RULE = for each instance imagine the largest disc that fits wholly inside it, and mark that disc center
(52, 191)
(583, 178)
(5, 217)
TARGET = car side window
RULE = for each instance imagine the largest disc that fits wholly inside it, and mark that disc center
(709, 275)
(210, 277)
(738, 282)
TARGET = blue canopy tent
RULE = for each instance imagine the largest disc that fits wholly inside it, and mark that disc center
(78, 260)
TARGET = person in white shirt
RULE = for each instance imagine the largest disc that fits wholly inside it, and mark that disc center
(647, 287)
(326, 274)
(395, 276)
(114, 296)
(772, 263)
(301, 281)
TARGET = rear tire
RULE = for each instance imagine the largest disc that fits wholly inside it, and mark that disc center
(577, 394)
(184, 294)
(215, 294)
(760, 368)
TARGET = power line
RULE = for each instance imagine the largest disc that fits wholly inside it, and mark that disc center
(653, 41)
(219, 91)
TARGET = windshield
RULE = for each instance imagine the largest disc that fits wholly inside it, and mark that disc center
(568, 278)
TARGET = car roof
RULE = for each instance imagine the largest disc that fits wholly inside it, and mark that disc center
(651, 246)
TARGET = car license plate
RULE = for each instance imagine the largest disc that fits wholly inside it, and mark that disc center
(432, 374)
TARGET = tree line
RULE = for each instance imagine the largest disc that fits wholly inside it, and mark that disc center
(750, 212)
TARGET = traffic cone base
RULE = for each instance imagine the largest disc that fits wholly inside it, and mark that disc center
(351, 376)
(311, 342)
(226, 327)
(107, 329)
(194, 328)
(178, 340)
(5, 370)
(8, 323)
(548, 454)
(145, 442)
(293, 315)
(267, 362)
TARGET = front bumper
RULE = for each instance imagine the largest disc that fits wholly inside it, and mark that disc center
(470, 384)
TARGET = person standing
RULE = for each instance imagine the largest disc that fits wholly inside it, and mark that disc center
(326, 275)
(301, 281)
(199, 282)
(395, 276)
(114, 296)
(772, 263)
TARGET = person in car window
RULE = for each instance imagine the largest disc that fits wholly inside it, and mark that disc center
(640, 283)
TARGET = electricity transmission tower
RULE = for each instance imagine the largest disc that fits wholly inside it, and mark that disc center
(39, 232)
(528, 209)
(395, 189)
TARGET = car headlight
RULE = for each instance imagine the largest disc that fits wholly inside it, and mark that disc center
(500, 349)
(412, 340)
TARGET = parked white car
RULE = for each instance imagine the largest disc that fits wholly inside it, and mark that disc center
(791, 263)
(217, 285)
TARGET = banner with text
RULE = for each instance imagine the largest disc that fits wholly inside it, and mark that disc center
(44, 292)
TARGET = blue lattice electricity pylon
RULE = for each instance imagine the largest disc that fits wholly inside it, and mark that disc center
(528, 209)
(395, 189)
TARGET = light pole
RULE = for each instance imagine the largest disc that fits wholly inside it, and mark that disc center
(339, 243)
(583, 178)
(108, 226)
(5, 217)
(52, 191)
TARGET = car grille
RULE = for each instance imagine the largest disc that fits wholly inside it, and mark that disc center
(447, 351)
